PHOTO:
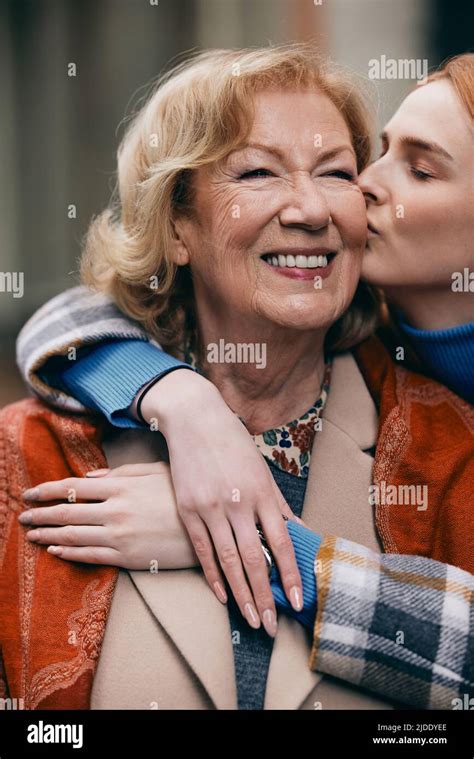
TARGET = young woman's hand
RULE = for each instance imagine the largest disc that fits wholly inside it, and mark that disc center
(223, 488)
(130, 520)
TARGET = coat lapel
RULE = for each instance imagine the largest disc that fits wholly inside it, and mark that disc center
(181, 600)
(199, 625)
(349, 427)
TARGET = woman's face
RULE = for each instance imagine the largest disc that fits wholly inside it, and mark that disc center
(273, 216)
(420, 193)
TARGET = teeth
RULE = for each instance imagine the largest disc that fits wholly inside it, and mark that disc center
(301, 262)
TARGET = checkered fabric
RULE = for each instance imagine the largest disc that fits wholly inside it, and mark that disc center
(398, 625)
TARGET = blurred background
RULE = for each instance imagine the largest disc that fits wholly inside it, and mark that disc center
(59, 133)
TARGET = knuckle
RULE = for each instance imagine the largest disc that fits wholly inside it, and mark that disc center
(212, 506)
(201, 547)
(235, 507)
(281, 541)
(119, 534)
(115, 487)
(241, 593)
(61, 514)
(186, 507)
(253, 557)
(228, 556)
(290, 577)
(70, 482)
(69, 535)
(263, 600)
(118, 515)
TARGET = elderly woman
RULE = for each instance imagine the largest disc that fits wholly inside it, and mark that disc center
(195, 202)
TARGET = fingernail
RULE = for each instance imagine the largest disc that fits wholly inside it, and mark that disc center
(97, 473)
(220, 592)
(252, 616)
(33, 536)
(57, 550)
(296, 599)
(26, 517)
(31, 494)
(269, 622)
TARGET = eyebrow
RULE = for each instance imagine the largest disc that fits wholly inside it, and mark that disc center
(275, 151)
(417, 142)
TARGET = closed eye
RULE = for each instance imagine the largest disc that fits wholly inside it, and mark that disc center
(423, 176)
(265, 172)
(255, 173)
(341, 175)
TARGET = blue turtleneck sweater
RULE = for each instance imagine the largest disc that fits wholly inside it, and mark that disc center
(448, 355)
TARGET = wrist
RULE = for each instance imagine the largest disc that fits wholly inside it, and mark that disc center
(170, 397)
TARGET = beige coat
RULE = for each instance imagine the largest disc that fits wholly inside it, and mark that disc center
(168, 642)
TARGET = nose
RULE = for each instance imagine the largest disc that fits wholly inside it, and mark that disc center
(307, 205)
(372, 185)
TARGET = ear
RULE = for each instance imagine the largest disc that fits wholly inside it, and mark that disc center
(179, 249)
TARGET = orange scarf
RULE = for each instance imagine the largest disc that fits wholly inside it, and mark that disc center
(53, 612)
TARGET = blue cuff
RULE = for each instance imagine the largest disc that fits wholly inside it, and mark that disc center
(108, 378)
(306, 546)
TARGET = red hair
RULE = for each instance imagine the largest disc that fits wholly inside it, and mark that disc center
(460, 73)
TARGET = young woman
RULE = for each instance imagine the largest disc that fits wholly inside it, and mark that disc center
(420, 233)
(420, 249)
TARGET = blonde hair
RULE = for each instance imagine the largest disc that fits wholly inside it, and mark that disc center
(196, 114)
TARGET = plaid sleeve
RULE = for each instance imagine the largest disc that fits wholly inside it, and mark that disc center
(74, 319)
(401, 626)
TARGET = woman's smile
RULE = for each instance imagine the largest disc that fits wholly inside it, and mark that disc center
(282, 222)
(297, 265)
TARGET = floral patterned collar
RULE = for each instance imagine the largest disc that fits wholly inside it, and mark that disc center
(289, 447)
